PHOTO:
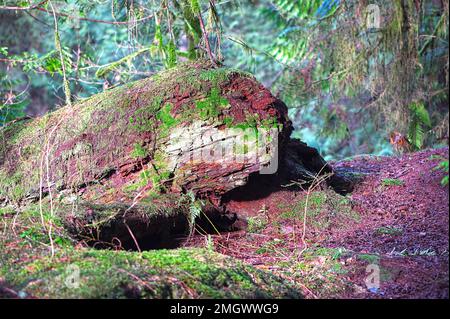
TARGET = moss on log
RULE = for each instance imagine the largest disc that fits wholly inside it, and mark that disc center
(117, 142)
(131, 153)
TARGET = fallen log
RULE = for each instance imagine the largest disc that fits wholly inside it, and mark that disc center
(133, 159)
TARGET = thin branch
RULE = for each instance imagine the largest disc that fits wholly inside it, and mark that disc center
(61, 56)
(38, 20)
(38, 7)
(431, 38)
(132, 236)
(14, 61)
(95, 20)
(205, 36)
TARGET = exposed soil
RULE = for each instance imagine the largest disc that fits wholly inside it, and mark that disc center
(396, 219)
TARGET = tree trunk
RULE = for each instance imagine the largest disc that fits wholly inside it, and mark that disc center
(163, 147)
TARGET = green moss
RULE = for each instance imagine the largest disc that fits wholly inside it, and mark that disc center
(323, 209)
(151, 205)
(252, 121)
(389, 230)
(228, 121)
(315, 204)
(143, 119)
(151, 176)
(319, 269)
(11, 186)
(6, 211)
(167, 120)
(369, 258)
(215, 76)
(211, 106)
(31, 226)
(165, 117)
(180, 273)
(185, 78)
(391, 182)
(133, 186)
(157, 175)
(139, 151)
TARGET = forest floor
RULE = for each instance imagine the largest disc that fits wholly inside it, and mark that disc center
(389, 238)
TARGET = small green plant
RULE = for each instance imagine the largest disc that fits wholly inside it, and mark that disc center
(389, 230)
(195, 210)
(370, 258)
(392, 182)
(32, 234)
(420, 120)
(4, 211)
(271, 246)
(434, 156)
(139, 151)
(257, 223)
(333, 253)
(443, 166)
(316, 204)
(209, 244)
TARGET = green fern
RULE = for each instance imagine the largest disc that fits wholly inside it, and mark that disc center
(419, 121)
(195, 210)
(168, 52)
(443, 166)
(171, 59)
(293, 43)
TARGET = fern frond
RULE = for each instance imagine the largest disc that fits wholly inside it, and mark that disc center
(420, 119)
(418, 109)
(415, 134)
(195, 210)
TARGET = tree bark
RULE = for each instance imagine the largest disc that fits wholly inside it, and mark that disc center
(147, 145)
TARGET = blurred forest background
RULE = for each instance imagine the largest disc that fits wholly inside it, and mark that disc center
(351, 72)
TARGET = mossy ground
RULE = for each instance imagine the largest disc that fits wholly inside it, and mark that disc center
(323, 209)
(179, 273)
(77, 271)
(320, 269)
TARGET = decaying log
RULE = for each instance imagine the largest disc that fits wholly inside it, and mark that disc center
(152, 144)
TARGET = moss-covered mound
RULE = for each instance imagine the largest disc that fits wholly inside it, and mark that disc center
(180, 273)
(38, 258)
